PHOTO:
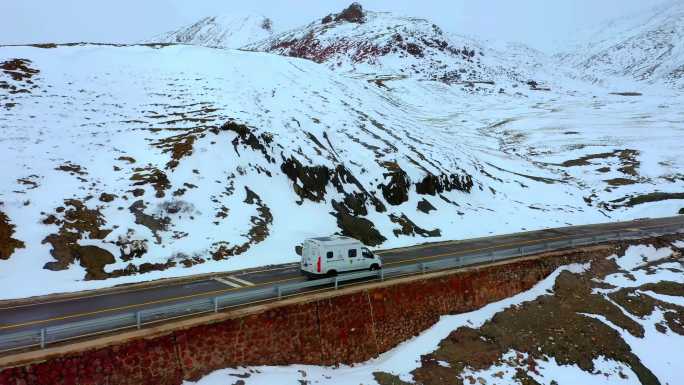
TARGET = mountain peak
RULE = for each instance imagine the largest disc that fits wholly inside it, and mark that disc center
(353, 14)
(231, 30)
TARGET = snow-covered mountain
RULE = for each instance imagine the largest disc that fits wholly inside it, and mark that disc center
(130, 163)
(646, 46)
(387, 46)
(223, 31)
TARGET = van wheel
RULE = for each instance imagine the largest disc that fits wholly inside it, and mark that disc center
(332, 273)
(374, 267)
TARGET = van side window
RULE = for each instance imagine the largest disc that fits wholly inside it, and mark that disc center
(352, 253)
(366, 253)
(329, 254)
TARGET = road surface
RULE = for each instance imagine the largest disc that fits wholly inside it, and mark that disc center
(93, 304)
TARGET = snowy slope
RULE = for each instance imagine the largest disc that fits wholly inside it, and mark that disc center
(385, 45)
(130, 163)
(645, 46)
(223, 31)
(437, 357)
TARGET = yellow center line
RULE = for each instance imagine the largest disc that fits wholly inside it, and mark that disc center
(84, 314)
(70, 316)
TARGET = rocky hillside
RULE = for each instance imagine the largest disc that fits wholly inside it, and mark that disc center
(648, 46)
(387, 46)
(130, 163)
(224, 31)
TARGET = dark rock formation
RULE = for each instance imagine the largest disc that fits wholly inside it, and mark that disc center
(353, 14)
(94, 259)
(308, 182)
(8, 244)
(433, 184)
(246, 137)
(425, 206)
(396, 190)
(409, 228)
(356, 227)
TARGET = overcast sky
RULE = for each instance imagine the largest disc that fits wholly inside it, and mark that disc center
(538, 23)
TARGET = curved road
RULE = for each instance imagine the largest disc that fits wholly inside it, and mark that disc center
(47, 313)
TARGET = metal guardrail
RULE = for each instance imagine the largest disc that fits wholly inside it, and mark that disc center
(135, 320)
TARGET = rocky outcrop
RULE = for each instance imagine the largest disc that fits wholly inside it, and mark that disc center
(396, 190)
(407, 227)
(356, 227)
(352, 14)
(247, 138)
(437, 184)
(76, 221)
(7, 243)
(308, 182)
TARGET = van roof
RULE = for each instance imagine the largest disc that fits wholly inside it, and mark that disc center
(338, 239)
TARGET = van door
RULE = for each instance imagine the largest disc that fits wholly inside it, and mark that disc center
(354, 258)
(368, 257)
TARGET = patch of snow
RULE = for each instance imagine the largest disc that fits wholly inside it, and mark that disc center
(606, 372)
(636, 257)
(657, 351)
(673, 299)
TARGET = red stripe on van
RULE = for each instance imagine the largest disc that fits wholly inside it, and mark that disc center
(318, 264)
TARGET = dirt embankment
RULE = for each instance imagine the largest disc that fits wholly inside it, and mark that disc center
(560, 326)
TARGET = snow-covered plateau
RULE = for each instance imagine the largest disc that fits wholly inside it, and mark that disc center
(616, 321)
(131, 163)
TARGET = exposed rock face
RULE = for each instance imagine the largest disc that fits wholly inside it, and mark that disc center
(308, 182)
(7, 243)
(77, 222)
(432, 184)
(396, 189)
(407, 227)
(353, 14)
(246, 138)
(425, 206)
(94, 259)
(356, 227)
(20, 74)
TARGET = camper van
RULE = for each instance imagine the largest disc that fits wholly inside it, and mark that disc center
(332, 255)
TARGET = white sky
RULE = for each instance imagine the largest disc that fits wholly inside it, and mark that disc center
(538, 23)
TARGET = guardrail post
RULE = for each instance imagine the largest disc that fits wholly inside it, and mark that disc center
(422, 267)
(382, 274)
(336, 282)
(138, 319)
(520, 251)
(215, 304)
(491, 256)
(42, 338)
(279, 291)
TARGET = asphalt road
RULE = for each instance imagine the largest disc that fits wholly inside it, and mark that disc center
(41, 314)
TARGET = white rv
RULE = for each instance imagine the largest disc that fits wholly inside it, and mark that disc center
(332, 255)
